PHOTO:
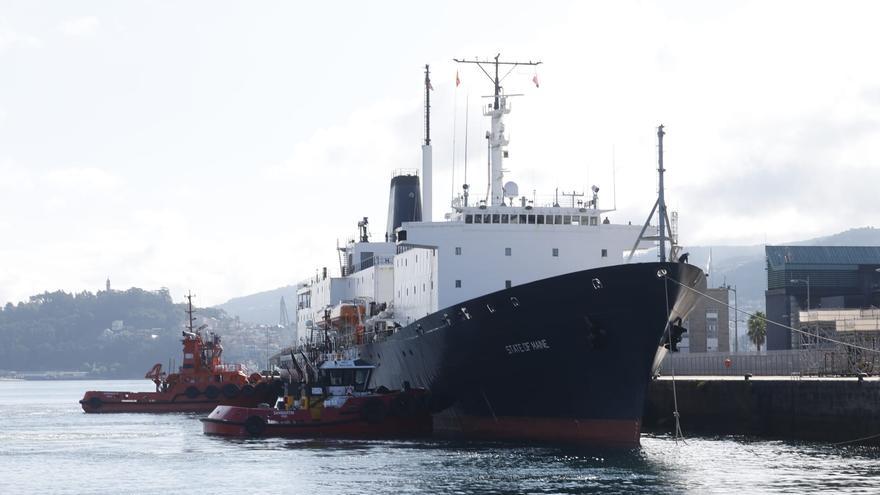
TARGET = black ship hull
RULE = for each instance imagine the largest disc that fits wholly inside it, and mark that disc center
(565, 359)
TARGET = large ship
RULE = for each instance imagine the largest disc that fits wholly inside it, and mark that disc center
(523, 319)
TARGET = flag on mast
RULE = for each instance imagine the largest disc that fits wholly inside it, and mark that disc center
(457, 80)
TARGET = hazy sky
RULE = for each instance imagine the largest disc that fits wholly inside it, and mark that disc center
(224, 147)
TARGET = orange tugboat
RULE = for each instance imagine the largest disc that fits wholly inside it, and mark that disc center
(200, 384)
(339, 405)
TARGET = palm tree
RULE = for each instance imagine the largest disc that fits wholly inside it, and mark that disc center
(758, 329)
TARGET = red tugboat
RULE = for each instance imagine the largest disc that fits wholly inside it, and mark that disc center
(339, 405)
(200, 384)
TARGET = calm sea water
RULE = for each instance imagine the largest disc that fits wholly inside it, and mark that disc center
(48, 445)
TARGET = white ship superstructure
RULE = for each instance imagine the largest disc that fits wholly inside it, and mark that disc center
(501, 242)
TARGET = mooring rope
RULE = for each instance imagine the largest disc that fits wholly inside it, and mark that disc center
(678, 433)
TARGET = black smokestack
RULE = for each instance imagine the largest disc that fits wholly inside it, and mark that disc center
(404, 204)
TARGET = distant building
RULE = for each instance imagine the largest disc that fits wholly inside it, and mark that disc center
(708, 324)
(801, 278)
(108, 284)
(855, 326)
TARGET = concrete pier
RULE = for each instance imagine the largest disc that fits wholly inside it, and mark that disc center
(825, 409)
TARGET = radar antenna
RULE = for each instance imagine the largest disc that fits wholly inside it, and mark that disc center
(496, 111)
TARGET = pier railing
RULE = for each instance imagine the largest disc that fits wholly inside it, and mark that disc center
(799, 362)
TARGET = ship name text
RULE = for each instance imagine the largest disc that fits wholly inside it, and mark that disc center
(534, 345)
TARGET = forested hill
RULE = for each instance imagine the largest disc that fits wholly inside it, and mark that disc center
(111, 333)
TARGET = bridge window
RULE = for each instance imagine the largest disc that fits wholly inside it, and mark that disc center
(566, 219)
(514, 218)
(594, 221)
(468, 219)
(522, 219)
(541, 219)
(504, 218)
(458, 284)
(507, 284)
(558, 219)
(531, 219)
(458, 251)
(496, 218)
(507, 251)
(478, 218)
(487, 218)
(604, 253)
(556, 252)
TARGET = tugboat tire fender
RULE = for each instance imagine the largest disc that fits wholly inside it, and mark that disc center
(374, 410)
(255, 425)
(403, 405)
(192, 392)
(212, 392)
(230, 390)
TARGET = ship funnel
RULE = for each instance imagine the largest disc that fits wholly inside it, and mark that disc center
(404, 203)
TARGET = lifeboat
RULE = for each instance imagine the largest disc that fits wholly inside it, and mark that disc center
(339, 405)
(200, 384)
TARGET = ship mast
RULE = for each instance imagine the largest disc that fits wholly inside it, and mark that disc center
(427, 158)
(496, 111)
(189, 313)
(664, 229)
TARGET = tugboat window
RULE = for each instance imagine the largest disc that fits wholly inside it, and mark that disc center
(531, 219)
(507, 284)
(604, 253)
(468, 219)
(504, 218)
(496, 218)
(458, 251)
(487, 218)
(522, 219)
(541, 219)
(514, 219)
(507, 251)
(558, 219)
(566, 220)
(478, 218)
(556, 252)
(458, 284)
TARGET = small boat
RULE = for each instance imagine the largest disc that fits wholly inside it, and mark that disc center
(339, 405)
(201, 383)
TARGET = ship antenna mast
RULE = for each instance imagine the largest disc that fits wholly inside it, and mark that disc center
(496, 111)
(189, 313)
(664, 230)
(427, 154)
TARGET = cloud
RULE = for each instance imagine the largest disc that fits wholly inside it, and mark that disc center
(10, 38)
(80, 26)
(82, 178)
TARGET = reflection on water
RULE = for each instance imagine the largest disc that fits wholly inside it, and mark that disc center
(50, 446)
